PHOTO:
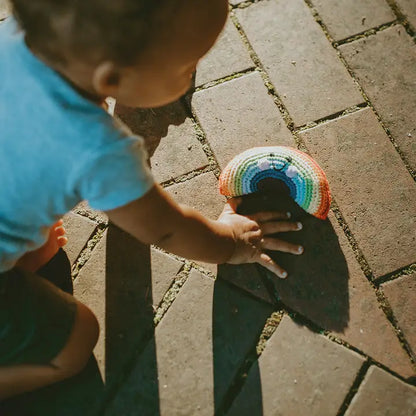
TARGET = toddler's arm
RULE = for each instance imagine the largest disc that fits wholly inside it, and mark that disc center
(157, 219)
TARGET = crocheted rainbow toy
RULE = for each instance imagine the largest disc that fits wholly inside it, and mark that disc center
(306, 181)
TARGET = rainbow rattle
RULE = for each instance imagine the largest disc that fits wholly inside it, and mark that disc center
(307, 183)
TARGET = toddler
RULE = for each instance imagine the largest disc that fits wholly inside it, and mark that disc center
(59, 60)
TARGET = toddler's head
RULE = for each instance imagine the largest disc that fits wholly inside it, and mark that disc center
(142, 52)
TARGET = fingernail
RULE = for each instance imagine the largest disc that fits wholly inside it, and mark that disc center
(288, 214)
(300, 226)
(283, 275)
(300, 249)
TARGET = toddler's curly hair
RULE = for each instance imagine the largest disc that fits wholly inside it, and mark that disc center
(117, 30)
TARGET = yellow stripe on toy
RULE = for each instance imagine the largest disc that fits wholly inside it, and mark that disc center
(305, 179)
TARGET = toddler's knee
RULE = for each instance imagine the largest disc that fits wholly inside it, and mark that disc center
(92, 325)
(76, 353)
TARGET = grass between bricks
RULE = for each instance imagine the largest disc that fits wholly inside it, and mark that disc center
(402, 18)
(172, 292)
(252, 357)
(87, 250)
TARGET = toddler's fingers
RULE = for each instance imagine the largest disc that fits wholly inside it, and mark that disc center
(267, 262)
(58, 224)
(280, 245)
(269, 216)
(273, 227)
(60, 231)
(62, 241)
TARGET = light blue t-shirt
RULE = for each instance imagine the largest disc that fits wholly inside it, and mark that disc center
(56, 149)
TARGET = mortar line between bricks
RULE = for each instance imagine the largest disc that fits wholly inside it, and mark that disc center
(168, 253)
(202, 138)
(332, 117)
(201, 269)
(187, 176)
(241, 374)
(366, 33)
(403, 271)
(234, 75)
(244, 4)
(359, 255)
(385, 306)
(171, 294)
(333, 337)
(319, 20)
(402, 19)
(88, 249)
(354, 388)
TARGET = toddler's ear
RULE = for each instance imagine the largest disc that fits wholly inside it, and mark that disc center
(106, 79)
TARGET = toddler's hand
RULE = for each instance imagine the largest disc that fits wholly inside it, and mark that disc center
(250, 234)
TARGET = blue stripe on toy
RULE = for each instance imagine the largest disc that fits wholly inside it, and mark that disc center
(271, 173)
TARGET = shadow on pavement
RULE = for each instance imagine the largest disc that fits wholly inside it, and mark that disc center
(129, 316)
(317, 285)
(317, 288)
(237, 322)
(152, 124)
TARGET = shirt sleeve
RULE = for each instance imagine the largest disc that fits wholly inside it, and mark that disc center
(116, 174)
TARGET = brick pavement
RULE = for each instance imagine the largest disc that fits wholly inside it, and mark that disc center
(335, 78)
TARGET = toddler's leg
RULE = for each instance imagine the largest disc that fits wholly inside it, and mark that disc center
(71, 360)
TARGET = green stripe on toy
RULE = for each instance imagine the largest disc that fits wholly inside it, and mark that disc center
(305, 179)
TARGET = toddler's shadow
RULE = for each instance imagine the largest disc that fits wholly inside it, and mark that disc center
(317, 285)
(153, 123)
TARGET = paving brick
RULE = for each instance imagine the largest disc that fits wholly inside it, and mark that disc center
(78, 230)
(296, 374)
(389, 81)
(304, 68)
(164, 269)
(5, 9)
(361, 164)
(228, 56)
(408, 8)
(346, 18)
(117, 283)
(201, 193)
(382, 394)
(239, 114)
(246, 277)
(199, 345)
(401, 294)
(89, 288)
(170, 137)
(326, 285)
